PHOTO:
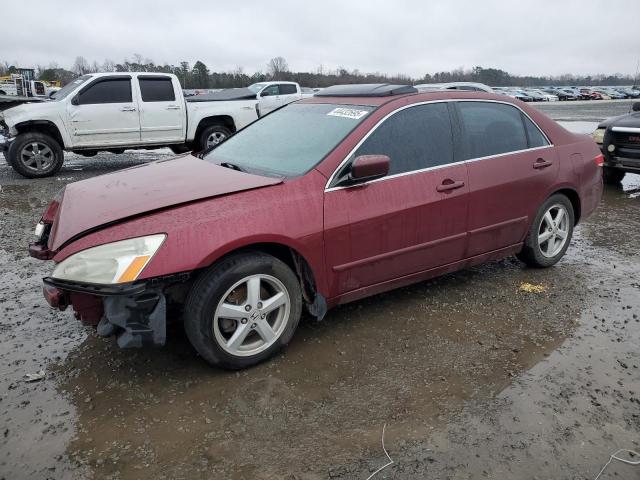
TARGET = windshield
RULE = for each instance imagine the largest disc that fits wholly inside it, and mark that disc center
(69, 87)
(290, 141)
(256, 87)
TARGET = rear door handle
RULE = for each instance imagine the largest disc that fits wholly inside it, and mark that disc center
(542, 163)
(128, 109)
(449, 184)
(173, 107)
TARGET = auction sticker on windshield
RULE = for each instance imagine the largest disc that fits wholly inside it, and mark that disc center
(348, 113)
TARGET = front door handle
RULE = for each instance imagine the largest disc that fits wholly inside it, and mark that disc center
(542, 163)
(173, 107)
(128, 109)
(449, 184)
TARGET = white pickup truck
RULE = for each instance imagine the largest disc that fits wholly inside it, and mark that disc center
(117, 111)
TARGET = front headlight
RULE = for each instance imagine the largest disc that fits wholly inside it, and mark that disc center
(598, 135)
(116, 262)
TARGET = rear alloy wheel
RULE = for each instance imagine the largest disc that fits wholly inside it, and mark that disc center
(35, 155)
(612, 176)
(212, 136)
(243, 310)
(550, 233)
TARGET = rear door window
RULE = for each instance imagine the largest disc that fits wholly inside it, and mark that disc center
(156, 89)
(491, 129)
(287, 89)
(414, 138)
(115, 90)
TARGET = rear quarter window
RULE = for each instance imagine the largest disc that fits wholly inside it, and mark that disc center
(536, 138)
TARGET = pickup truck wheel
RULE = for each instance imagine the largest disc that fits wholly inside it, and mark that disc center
(212, 136)
(612, 176)
(35, 155)
(243, 310)
(550, 233)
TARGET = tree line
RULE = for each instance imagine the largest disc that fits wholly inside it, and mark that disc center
(199, 76)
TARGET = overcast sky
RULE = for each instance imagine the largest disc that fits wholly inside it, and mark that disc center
(393, 36)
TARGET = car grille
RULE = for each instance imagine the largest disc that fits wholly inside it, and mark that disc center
(628, 140)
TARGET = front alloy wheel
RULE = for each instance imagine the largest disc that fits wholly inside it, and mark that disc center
(35, 155)
(251, 315)
(243, 309)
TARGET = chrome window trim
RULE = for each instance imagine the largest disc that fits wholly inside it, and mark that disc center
(327, 188)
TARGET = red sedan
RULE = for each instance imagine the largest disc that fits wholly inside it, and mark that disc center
(358, 190)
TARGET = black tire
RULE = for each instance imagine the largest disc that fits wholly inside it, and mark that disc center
(23, 140)
(613, 176)
(179, 149)
(207, 291)
(219, 130)
(531, 252)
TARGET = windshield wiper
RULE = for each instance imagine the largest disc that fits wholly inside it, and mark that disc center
(232, 166)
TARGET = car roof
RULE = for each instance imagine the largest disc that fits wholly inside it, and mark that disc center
(408, 98)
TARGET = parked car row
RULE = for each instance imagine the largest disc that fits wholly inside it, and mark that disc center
(552, 94)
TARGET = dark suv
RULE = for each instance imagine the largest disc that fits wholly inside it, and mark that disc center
(619, 140)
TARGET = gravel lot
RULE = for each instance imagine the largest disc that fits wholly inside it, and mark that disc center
(473, 377)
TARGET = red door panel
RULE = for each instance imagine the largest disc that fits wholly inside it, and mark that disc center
(394, 227)
(505, 192)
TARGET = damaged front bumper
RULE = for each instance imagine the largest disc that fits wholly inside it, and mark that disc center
(135, 312)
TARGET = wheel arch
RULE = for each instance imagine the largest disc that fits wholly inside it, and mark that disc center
(295, 260)
(42, 126)
(574, 198)
(224, 120)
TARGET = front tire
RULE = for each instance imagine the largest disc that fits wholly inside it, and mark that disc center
(550, 233)
(613, 176)
(35, 155)
(243, 310)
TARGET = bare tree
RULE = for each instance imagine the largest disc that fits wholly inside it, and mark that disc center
(80, 66)
(108, 66)
(277, 66)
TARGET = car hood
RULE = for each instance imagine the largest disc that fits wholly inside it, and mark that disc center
(628, 120)
(29, 110)
(89, 204)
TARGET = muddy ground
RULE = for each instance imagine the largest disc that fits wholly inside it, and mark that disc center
(472, 376)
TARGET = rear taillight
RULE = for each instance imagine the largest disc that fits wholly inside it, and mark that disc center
(51, 211)
(599, 160)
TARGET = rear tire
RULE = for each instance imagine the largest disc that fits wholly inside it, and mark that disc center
(550, 233)
(212, 136)
(256, 325)
(35, 155)
(613, 176)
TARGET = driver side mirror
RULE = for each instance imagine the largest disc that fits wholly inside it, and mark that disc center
(636, 107)
(264, 93)
(369, 167)
(75, 100)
